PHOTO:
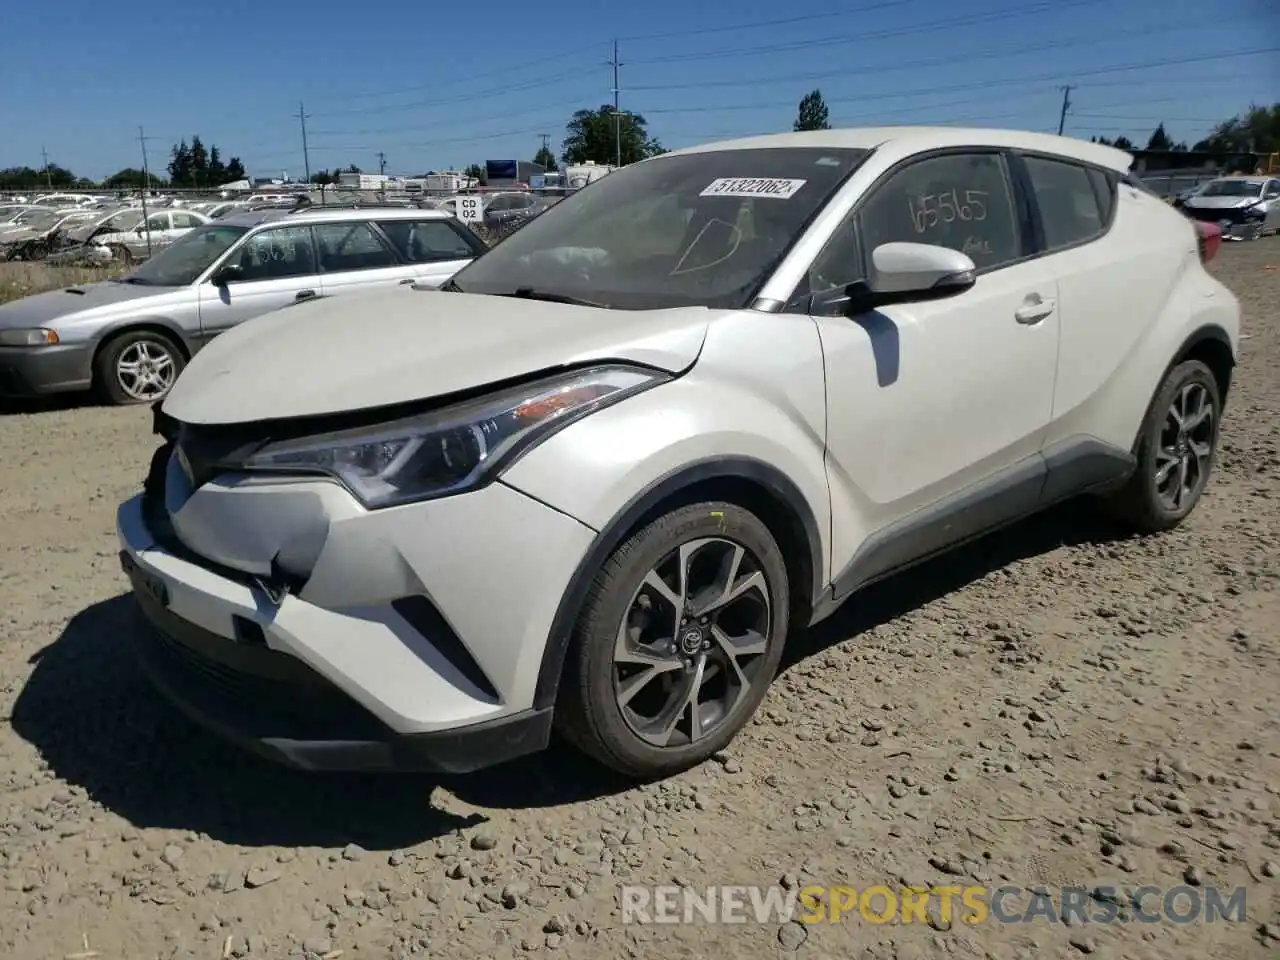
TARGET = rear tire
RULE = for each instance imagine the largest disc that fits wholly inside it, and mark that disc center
(1176, 451)
(664, 667)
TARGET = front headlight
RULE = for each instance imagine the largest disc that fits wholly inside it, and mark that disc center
(457, 448)
(28, 337)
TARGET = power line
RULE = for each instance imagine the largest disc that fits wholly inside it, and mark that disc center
(993, 16)
(1031, 89)
(760, 24)
(900, 65)
(506, 89)
(980, 85)
(399, 128)
(576, 51)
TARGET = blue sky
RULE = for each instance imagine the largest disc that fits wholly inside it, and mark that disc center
(443, 85)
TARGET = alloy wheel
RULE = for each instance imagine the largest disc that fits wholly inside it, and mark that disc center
(692, 639)
(146, 369)
(1185, 451)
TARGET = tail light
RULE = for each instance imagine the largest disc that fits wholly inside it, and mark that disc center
(1209, 240)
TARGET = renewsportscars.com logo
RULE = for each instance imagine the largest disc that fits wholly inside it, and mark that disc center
(970, 905)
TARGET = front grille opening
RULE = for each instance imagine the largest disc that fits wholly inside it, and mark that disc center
(421, 614)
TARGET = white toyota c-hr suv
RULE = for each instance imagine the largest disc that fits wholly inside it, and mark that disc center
(603, 476)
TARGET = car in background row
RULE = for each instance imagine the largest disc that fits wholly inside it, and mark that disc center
(133, 243)
(40, 232)
(505, 210)
(78, 245)
(616, 465)
(1245, 208)
(130, 337)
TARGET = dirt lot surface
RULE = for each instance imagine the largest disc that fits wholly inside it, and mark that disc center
(1056, 705)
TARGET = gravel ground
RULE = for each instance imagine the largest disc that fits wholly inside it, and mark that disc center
(1054, 705)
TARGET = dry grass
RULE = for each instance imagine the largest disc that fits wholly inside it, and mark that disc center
(19, 280)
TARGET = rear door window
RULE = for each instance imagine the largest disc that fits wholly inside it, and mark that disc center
(351, 245)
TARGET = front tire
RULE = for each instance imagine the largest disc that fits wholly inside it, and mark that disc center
(1176, 450)
(678, 641)
(140, 366)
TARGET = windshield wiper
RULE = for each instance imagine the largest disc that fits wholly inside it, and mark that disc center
(528, 293)
(138, 280)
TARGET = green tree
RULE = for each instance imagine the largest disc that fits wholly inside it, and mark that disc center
(545, 158)
(1159, 140)
(594, 135)
(21, 178)
(199, 163)
(1122, 143)
(813, 113)
(180, 164)
(216, 175)
(475, 172)
(130, 178)
(235, 170)
(1257, 130)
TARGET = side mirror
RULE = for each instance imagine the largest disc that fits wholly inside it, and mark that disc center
(919, 271)
(901, 273)
(228, 273)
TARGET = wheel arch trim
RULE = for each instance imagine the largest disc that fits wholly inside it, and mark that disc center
(750, 469)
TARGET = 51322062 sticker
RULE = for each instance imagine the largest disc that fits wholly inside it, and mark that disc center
(775, 187)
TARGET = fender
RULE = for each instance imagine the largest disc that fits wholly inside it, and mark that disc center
(154, 322)
(1209, 333)
(614, 533)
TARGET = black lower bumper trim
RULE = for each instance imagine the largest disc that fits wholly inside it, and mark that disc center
(274, 705)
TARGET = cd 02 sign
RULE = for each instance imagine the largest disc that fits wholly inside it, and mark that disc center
(469, 209)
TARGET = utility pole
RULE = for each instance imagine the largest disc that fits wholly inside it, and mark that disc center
(306, 157)
(146, 187)
(1066, 105)
(617, 114)
(48, 177)
(382, 163)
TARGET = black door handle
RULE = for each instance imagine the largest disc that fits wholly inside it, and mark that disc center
(408, 280)
(304, 295)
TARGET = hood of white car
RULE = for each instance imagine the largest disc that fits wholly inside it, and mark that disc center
(83, 303)
(344, 354)
(1220, 203)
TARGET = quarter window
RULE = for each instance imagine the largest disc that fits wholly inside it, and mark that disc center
(961, 201)
(276, 254)
(351, 246)
(1104, 186)
(1068, 205)
(185, 221)
(425, 241)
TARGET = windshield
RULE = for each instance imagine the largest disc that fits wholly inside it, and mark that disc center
(186, 258)
(698, 229)
(123, 220)
(40, 219)
(1232, 188)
